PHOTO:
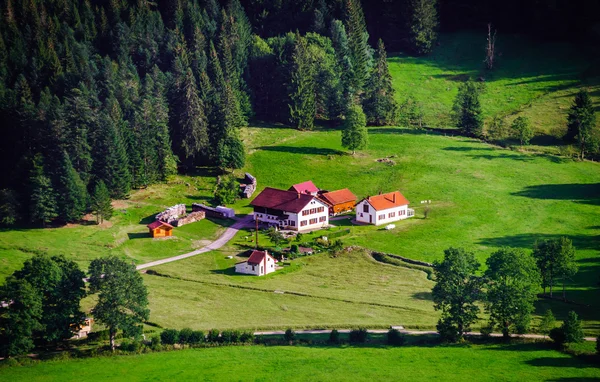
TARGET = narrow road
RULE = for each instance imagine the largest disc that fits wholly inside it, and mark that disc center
(401, 330)
(221, 241)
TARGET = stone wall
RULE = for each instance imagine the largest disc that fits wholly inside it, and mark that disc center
(249, 186)
(190, 218)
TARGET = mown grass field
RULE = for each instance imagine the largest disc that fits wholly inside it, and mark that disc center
(524, 362)
(535, 78)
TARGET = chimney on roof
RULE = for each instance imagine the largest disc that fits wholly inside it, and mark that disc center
(394, 198)
(298, 195)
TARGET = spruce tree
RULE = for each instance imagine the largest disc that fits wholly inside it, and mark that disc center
(100, 203)
(354, 131)
(423, 25)
(111, 164)
(522, 129)
(303, 104)
(571, 327)
(80, 119)
(72, 194)
(380, 104)
(42, 205)
(581, 123)
(358, 38)
(231, 154)
(339, 38)
(467, 109)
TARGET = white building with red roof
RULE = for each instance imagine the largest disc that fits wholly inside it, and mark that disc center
(383, 209)
(307, 187)
(259, 263)
(290, 210)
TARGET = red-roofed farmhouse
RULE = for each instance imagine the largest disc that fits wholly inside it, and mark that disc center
(290, 210)
(383, 209)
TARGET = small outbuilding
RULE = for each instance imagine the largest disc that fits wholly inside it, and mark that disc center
(307, 187)
(259, 263)
(339, 201)
(160, 229)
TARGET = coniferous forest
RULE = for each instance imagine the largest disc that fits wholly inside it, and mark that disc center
(120, 94)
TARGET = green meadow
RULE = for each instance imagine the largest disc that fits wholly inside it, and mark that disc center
(518, 362)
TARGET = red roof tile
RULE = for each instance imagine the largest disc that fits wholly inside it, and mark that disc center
(287, 201)
(339, 197)
(157, 224)
(307, 187)
(389, 200)
(258, 256)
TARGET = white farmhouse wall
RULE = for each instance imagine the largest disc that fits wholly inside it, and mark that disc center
(390, 215)
(264, 268)
(309, 221)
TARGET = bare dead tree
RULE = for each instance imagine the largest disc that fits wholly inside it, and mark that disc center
(490, 49)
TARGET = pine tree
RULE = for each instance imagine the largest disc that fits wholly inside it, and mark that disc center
(303, 104)
(380, 104)
(522, 129)
(231, 154)
(467, 109)
(339, 38)
(42, 206)
(423, 25)
(72, 194)
(572, 328)
(581, 123)
(354, 132)
(111, 164)
(358, 38)
(548, 323)
(101, 203)
(166, 161)
(80, 119)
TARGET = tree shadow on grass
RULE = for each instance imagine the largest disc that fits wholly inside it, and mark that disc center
(576, 192)
(148, 219)
(138, 235)
(526, 240)
(517, 157)
(303, 150)
(426, 296)
(558, 362)
(467, 148)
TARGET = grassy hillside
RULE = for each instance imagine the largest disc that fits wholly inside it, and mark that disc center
(533, 78)
(527, 362)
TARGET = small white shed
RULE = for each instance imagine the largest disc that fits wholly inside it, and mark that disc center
(227, 212)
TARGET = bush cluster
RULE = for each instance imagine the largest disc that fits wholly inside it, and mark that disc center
(359, 335)
(334, 337)
(395, 338)
(289, 335)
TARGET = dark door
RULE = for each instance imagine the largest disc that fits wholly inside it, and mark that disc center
(370, 218)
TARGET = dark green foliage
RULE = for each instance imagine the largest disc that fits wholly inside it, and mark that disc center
(581, 123)
(359, 335)
(213, 336)
(358, 44)
(20, 319)
(60, 284)
(522, 130)
(423, 25)
(598, 345)
(72, 196)
(231, 153)
(185, 336)
(294, 248)
(303, 106)
(456, 292)
(410, 113)
(122, 295)
(395, 338)
(197, 337)
(511, 290)
(42, 204)
(467, 109)
(571, 327)
(170, 336)
(497, 129)
(354, 133)
(101, 203)
(558, 336)
(289, 335)
(247, 337)
(380, 104)
(227, 191)
(9, 207)
(334, 337)
(547, 323)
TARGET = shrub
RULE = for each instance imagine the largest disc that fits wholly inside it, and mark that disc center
(247, 337)
(184, 335)
(101, 335)
(227, 336)
(169, 336)
(130, 346)
(359, 335)
(558, 336)
(299, 237)
(334, 337)
(448, 332)
(294, 248)
(572, 328)
(395, 338)
(213, 336)
(197, 337)
(598, 345)
(289, 335)
(155, 343)
(235, 336)
(487, 330)
(337, 234)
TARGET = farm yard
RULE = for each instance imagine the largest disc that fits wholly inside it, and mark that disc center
(201, 137)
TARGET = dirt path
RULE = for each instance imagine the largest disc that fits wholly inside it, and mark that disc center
(401, 329)
(221, 241)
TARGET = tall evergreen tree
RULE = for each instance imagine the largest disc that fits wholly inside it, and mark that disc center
(423, 25)
(339, 38)
(80, 119)
(581, 123)
(358, 42)
(101, 203)
(303, 104)
(72, 196)
(42, 205)
(380, 104)
(111, 164)
(467, 111)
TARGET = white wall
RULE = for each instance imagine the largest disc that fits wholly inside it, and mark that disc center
(298, 218)
(399, 213)
(246, 268)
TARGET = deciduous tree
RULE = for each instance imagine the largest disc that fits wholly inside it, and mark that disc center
(522, 129)
(122, 296)
(456, 292)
